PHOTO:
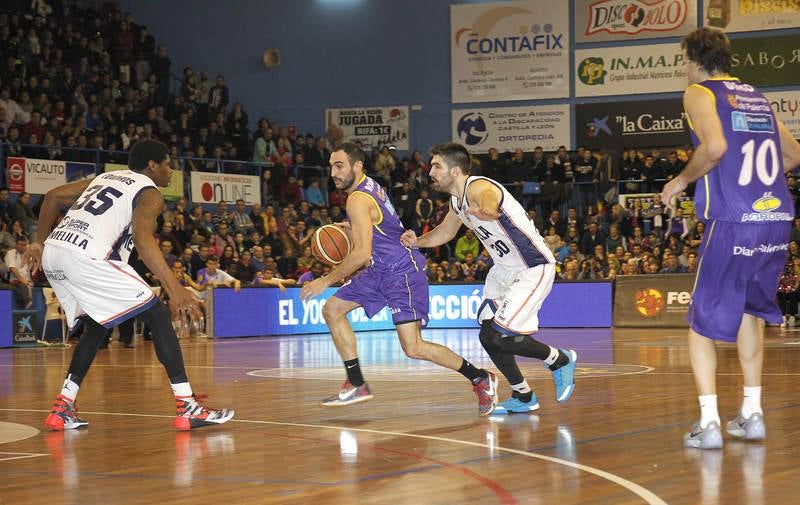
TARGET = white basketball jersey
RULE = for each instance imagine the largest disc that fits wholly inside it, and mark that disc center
(99, 222)
(512, 240)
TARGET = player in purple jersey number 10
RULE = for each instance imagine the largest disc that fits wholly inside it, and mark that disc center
(744, 201)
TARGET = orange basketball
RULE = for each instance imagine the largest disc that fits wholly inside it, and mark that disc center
(330, 244)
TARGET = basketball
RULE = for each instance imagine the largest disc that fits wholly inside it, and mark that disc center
(330, 244)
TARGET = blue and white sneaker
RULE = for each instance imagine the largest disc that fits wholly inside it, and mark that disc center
(564, 377)
(517, 406)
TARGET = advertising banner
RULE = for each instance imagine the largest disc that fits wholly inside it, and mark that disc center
(647, 123)
(271, 312)
(6, 318)
(604, 20)
(171, 193)
(26, 327)
(211, 188)
(40, 176)
(652, 300)
(508, 128)
(506, 51)
(372, 126)
(751, 15)
(767, 61)
(786, 105)
(651, 68)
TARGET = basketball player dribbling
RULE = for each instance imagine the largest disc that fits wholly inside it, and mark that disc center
(741, 153)
(85, 260)
(518, 282)
(394, 276)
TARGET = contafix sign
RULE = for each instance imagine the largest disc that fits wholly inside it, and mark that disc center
(646, 123)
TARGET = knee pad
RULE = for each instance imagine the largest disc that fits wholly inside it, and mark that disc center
(491, 339)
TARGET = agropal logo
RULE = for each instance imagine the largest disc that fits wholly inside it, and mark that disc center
(635, 16)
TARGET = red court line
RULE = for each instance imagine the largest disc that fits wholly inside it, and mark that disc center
(504, 494)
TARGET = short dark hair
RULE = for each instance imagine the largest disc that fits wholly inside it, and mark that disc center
(353, 152)
(144, 151)
(709, 48)
(454, 154)
(212, 259)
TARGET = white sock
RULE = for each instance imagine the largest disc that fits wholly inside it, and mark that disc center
(522, 387)
(751, 403)
(553, 356)
(182, 390)
(69, 389)
(708, 410)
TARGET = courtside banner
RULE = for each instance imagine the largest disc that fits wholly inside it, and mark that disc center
(372, 126)
(652, 300)
(751, 15)
(650, 68)
(644, 123)
(265, 311)
(208, 187)
(767, 61)
(604, 20)
(509, 128)
(786, 105)
(505, 51)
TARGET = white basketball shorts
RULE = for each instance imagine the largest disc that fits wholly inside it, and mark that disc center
(109, 292)
(514, 298)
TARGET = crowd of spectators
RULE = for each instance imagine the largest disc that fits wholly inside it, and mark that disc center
(84, 85)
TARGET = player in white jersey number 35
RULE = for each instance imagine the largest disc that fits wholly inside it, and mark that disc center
(85, 259)
(518, 282)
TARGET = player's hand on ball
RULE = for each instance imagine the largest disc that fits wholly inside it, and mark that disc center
(409, 238)
(33, 257)
(313, 288)
(483, 214)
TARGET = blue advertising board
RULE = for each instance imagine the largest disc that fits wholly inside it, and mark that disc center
(268, 311)
(6, 319)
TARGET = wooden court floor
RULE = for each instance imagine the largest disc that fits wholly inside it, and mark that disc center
(617, 441)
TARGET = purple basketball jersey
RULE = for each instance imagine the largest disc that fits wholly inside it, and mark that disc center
(388, 254)
(747, 186)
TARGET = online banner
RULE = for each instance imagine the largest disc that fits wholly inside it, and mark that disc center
(264, 311)
(211, 188)
(509, 51)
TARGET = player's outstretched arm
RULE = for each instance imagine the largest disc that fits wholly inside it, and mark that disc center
(443, 233)
(359, 210)
(148, 208)
(790, 148)
(699, 105)
(53, 202)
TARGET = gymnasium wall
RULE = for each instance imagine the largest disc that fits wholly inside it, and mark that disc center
(346, 53)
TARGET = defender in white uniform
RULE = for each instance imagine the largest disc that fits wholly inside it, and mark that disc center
(85, 259)
(518, 282)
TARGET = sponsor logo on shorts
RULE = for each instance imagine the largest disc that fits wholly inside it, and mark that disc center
(759, 249)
